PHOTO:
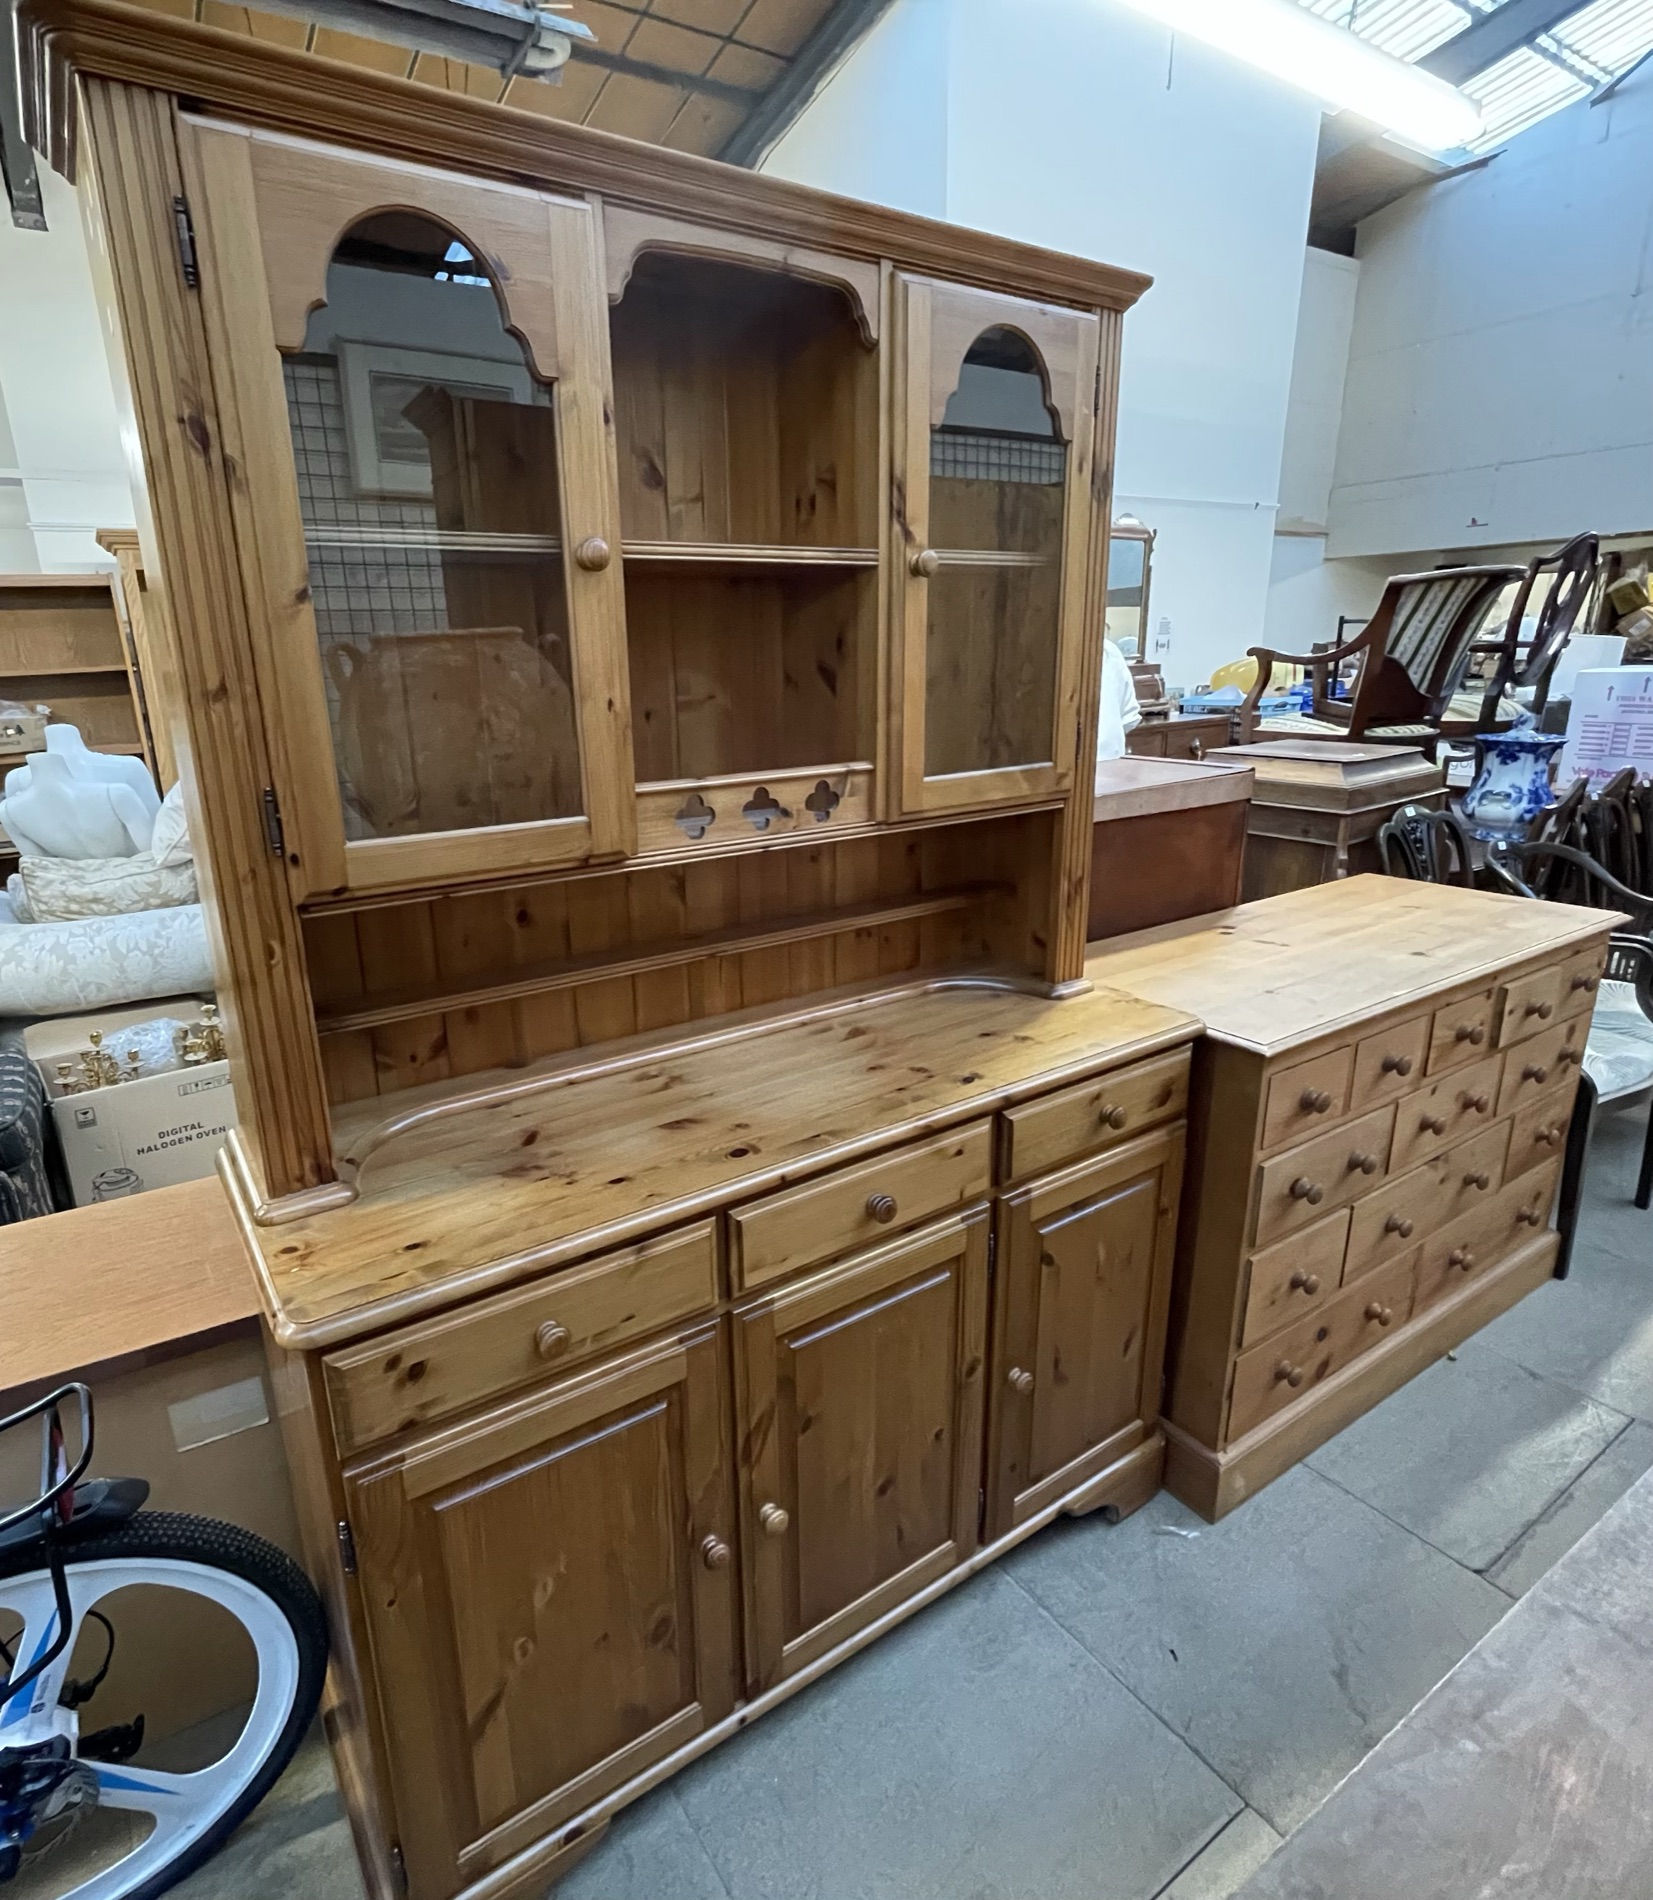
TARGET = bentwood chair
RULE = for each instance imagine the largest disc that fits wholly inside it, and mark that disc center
(1406, 662)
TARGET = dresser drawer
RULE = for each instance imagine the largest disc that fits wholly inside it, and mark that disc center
(423, 1372)
(1299, 1186)
(1539, 1131)
(1307, 1096)
(803, 1226)
(1542, 1063)
(1474, 1171)
(1282, 1370)
(1389, 1063)
(1529, 1004)
(1094, 1115)
(1434, 1118)
(1478, 1240)
(1461, 1032)
(1580, 980)
(1290, 1281)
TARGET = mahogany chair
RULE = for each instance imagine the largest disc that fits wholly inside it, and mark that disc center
(1408, 661)
(1574, 569)
(1433, 847)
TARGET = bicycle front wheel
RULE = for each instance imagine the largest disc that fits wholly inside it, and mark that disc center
(150, 1824)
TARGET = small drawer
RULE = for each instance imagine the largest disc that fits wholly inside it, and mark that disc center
(1299, 1186)
(1580, 980)
(1389, 1063)
(1282, 1370)
(1539, 1131)
(1461, 1032)
(1393, 1221)
(804, 1226)
(1530, 1003)
(1542, 1063)
(1474, 1171)
(1288, 1282)
(1094, 1115)
(1307, 1096)
(1456, 1106)
(1478, 1240)
(423, 1372)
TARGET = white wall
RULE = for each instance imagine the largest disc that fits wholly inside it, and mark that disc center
(1072, 123)
(1501, 377)
(57, 397)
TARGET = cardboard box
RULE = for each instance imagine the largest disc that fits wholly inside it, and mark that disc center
(131, 1136)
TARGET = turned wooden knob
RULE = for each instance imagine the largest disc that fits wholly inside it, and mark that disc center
(1478, 1103)
(1535, 1072)
(1543, 1011)
(1112, 1116)
(1021, 1381)
(1363, 1163)
(1433, 1124)
(1461, 1257)
(1549, 1136)
(1569, 1055)
(1303, 1189)
(1478, 1180)
(1302, 1282)
(773, 1520)
(1589, 984)
(1381, 1313)
(1528, 1216)
(1397, 1065)
(552, 1339)
(1289, 1374)
(1314, 1101)
(925, 563)
(881, 1207)
(715, 1554)
(593, 554)
(1398, 1224)
(1473, 1033)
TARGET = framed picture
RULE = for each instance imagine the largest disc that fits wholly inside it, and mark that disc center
(388, 454)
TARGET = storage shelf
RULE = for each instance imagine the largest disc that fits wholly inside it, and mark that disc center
(66, 671)
(569, 971)
(704, 555)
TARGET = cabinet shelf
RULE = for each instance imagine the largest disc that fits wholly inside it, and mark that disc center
(709, 556)
(64, 670)
(568, 972)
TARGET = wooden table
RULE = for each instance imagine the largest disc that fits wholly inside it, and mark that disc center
(1168, 841)
(1180, 736)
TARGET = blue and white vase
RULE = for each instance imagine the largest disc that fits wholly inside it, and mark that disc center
(1512, 781)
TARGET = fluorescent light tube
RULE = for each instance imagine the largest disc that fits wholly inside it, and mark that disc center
(1329, 61)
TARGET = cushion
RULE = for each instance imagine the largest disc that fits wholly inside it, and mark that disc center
(57, 889)
(102, 962)
(23, 1189)
(169, 842)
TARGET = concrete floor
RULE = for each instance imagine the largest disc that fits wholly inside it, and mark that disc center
(1142, 1710)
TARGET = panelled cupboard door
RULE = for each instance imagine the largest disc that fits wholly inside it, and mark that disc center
(859, 1410)
(550, 1592)
(1083, 1283)
(991, 503)
(414, 368)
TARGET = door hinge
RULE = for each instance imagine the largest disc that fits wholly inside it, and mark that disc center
(347, 1547)
(184, 226)
(274, 830)
(398, 1867)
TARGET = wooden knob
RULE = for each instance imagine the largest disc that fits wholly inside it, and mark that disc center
(1289, 1374)
(715, 1554)
(1302, 1282)
(774, 1521)
(1397, 1065)
(1477, 1180)
(1433, 1124)
(1478, 1104)
(1021, 1381)
(882, 1207)
(1360, 1163)
(593, 554)
(1569, 1055)
(1535, 1072)
(552, 1339)
(1111, 1115)
(1543, 1011)
(1303, 1189)
(925, 563)
(1398, 1224)
(1528, 1216)
(1314, 1101)
(1472, 1033)
(1589, 984)
(1461, 1257)
(1381, 1313)
(1549, 1136)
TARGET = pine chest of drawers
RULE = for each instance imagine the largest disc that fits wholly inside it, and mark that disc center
(1377, 1118)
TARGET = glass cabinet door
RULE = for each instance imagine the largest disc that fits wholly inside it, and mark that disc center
(458, 700)
(992, 506)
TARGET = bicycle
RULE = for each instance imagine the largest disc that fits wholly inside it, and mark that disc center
(72, 1548)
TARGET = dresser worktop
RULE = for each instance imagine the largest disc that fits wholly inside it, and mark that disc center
(1285, 971)
(454, 1198)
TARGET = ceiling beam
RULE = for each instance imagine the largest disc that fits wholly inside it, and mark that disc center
(1494, 35)
(839, 33)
